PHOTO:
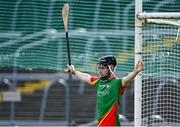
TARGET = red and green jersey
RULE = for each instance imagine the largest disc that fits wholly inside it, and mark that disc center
(108, 93)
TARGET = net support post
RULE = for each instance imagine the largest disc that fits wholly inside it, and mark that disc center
(138, 79)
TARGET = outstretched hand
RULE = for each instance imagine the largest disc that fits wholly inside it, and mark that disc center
(139, 66)
(71, 69)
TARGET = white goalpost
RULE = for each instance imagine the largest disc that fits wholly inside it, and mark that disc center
(157, 88)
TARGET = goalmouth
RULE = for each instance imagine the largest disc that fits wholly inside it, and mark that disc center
(157, 88)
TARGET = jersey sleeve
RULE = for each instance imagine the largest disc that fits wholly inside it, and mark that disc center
(121, 88)
(94, 80)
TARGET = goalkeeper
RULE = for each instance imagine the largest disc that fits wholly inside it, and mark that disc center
(109, 88)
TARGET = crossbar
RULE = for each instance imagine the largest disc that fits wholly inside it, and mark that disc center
(159, 15)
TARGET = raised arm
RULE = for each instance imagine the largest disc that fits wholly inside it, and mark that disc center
(82, 76)
(129, 78)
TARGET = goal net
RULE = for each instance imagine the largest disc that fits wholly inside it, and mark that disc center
(32, 34)
(161, 77)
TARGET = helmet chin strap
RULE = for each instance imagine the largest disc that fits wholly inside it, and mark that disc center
(112, 72)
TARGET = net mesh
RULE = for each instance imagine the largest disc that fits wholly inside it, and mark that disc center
(160, 89)
(161, 54)
(33, 38)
